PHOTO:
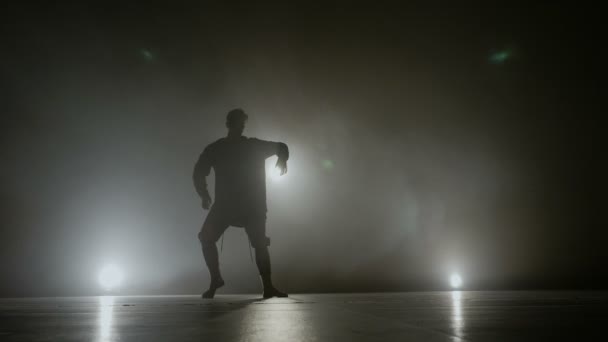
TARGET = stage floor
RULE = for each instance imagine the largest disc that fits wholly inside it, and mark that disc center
(415, 316)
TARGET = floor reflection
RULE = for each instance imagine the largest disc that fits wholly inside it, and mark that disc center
(276, 322)
(106, 307)
(457, 319)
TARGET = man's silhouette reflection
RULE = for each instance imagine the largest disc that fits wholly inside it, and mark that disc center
(240, 195)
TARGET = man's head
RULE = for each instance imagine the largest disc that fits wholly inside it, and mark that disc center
(235, 121)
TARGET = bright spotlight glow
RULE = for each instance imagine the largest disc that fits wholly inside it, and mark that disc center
(110, 277)
(455, 280)
(275, 174)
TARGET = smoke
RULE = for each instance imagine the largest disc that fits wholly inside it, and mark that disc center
(412, 156)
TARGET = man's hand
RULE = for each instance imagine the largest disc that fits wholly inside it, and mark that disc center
(207, 201)
(282, 165)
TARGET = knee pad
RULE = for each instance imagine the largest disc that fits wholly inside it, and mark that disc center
(262, 242)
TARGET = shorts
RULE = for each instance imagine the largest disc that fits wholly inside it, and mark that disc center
(218, 221)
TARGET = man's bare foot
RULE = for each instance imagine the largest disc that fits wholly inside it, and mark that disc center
(215, 284)
(273, 292)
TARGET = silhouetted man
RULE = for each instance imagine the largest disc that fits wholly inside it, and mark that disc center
(240, 196)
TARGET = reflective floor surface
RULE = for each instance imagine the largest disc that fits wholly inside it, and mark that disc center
(416, 316)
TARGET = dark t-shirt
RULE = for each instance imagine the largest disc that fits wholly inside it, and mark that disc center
(240, 173)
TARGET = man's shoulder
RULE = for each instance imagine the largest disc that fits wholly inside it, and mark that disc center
(256, 141)
(215, 144)
(221, 142)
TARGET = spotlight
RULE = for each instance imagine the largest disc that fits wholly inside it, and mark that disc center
(455, 280)
(110, 277)
(274, 173)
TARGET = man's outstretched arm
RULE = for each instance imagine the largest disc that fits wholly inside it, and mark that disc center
(199, 176)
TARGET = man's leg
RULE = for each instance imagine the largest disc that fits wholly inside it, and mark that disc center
(256, 231)
(262, 260)
(212, 229)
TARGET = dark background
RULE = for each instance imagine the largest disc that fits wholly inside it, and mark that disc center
(425, 140)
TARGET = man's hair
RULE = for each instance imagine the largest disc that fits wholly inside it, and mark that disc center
(235, 116)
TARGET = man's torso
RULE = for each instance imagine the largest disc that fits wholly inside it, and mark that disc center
(240, 175)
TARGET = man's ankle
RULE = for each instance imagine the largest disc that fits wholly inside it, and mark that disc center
(216, 279)
(266, 280)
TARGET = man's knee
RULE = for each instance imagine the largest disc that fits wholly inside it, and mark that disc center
(206, 237)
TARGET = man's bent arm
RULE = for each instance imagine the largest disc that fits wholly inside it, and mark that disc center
(283, 154)
(282, 151)
(271, 148)
(201, 171)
